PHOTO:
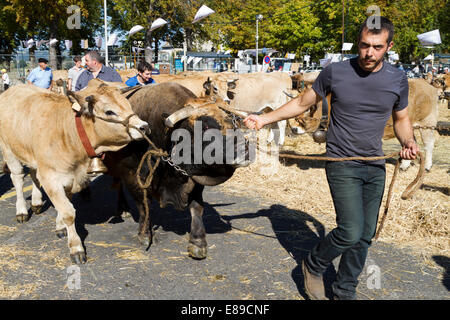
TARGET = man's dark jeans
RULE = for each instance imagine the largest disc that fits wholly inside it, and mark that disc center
(357, 191)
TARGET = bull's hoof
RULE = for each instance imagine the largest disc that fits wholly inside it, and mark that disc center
(145, 240)
(79, 257)
(61, 233)
(126, 214)
(36, 209)
(21, 218)
(196, 252)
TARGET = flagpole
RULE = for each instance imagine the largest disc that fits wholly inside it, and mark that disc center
(106, 34)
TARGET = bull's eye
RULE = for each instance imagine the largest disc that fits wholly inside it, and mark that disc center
(110, 113)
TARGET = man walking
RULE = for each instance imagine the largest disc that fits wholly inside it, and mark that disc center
(74, 73)
(365, 91)
(96, 69)
(41, 76)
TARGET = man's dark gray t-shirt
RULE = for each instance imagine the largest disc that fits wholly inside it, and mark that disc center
(361, 103)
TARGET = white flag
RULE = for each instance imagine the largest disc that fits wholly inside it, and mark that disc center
(347, 46)
(203, 12)
(157, 23)
(98, 42)
(68, 44)
(135, 29)
(430, 38)
(112, 39)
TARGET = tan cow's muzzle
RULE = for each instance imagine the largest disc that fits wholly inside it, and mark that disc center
(137, 128)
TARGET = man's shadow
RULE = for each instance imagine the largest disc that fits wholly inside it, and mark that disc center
(298, 233)
(102, 208)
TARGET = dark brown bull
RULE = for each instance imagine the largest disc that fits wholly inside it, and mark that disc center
(168, 107)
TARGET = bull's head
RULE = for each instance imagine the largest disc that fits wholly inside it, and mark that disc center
(111, 114)
(206, 142)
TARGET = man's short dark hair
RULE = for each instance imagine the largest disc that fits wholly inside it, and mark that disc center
(42, 60)
(144, 65)
(76, 58)
(370, 25)
(94, 55)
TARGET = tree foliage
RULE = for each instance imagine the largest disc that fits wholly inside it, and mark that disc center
(295, 26)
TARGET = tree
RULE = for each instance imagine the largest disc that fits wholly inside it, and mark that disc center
(47, 19)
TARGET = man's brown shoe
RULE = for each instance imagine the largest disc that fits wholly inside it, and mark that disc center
(313, 284)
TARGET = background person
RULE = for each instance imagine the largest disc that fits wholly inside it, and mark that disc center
(41, 76)
(5, 79)
(74, 73)
(365, 92)
(96, 69)
(144, 75)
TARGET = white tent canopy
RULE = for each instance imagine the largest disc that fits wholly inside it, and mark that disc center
(429, 57)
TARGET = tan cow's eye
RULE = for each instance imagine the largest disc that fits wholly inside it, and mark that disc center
(110, 113)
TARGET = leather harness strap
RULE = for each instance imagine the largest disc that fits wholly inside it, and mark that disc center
(83, 136)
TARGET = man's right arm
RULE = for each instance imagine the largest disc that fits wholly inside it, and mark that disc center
(289, 110)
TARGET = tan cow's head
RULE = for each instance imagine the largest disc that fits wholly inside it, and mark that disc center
(221, 88)
(113, 121)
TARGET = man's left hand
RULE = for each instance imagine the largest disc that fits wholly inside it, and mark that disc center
(409, 150)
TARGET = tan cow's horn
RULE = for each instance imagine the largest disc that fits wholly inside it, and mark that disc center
(126, 89)
(182, 114)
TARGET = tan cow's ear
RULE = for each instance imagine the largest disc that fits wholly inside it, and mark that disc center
(76, 100)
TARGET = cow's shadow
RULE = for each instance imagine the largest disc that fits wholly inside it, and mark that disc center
(102, 208)
(444, 262)
(298, 232)
(5, 184)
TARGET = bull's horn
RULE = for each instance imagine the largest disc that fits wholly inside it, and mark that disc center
(182, 114)
(289, 95)
(239, 113)
(126, 89)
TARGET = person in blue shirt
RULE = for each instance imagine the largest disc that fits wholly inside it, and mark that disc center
(41, 76)
(144, 75)
(95, 69)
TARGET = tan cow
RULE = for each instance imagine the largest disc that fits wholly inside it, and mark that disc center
(255, 92)
(37, 129)
(422, 108)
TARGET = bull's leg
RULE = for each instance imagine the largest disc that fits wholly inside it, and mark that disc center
(66, 217)
(36, 194)
(17, 177)
(281, 132)
(197, 237)
(123, 209)
(428, 139)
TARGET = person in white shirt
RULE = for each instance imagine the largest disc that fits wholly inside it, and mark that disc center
(74, 73)
(5, 79)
